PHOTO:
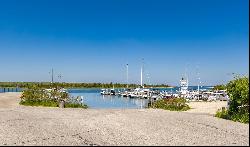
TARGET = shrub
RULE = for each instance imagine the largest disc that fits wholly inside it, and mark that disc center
(34, 96)
(242, 117)
(172, 104)
(75, 105)
(238, 91)
(39, 103)
(219, 87)
(75, 102)
(222, 113)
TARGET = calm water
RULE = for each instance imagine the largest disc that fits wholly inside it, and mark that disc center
(94, 99)
(10, 89)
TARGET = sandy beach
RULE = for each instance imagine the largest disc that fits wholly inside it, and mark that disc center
(206, 107)
(22, 125)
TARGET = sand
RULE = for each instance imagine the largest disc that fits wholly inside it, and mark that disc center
(206, 107)
(24, 125)
(9, 99)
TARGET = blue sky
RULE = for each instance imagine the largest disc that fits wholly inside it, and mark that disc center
(91, 41)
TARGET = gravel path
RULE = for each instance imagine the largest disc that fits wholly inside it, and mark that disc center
(20, 125)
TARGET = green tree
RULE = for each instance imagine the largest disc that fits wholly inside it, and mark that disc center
(238, 91)
(219, 87)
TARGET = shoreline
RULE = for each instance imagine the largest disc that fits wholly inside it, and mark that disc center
(21, 125)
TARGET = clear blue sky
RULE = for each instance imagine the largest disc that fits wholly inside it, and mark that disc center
(91, 41)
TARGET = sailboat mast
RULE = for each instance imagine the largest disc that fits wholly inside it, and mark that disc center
(141, 76)
(127, 75)
(198, 77)
(142, 72)
(198, 83)
(186, 75)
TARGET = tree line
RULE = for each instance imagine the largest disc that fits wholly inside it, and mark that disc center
(74, 85)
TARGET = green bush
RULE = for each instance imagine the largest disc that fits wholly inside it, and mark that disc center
(75, 105)
(222, 113)
(172, 104)
(243, 118)
(39, 103)
(239, 116)
(34, 96)
(219, 87)
(238, 91)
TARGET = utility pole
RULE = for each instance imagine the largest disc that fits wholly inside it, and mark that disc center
(60, 77)
(52, 76)
(148, 77)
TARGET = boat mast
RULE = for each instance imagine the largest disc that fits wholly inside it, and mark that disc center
(198, 83)
(127, 75)
(141, 76)
(142, 72)
(198, 77)
(186, 76)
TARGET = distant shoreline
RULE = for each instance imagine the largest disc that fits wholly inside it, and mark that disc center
(162, 87)
(75, 85)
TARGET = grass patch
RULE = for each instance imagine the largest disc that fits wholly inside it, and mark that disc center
(222, 113)
(74, 105)
(39, 103)
(172, 104)
(240, 116)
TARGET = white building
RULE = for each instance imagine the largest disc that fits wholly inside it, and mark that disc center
(183, 87)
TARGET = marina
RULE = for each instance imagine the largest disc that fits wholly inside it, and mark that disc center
(190, 93)
(124, 73)
(142, 97)
(22, 125)
(94, 99)
(138, 97)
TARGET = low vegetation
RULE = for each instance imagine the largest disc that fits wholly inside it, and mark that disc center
(219, 87)
(238, 110)
(172, 104)
(35, 96)
(72, 85)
